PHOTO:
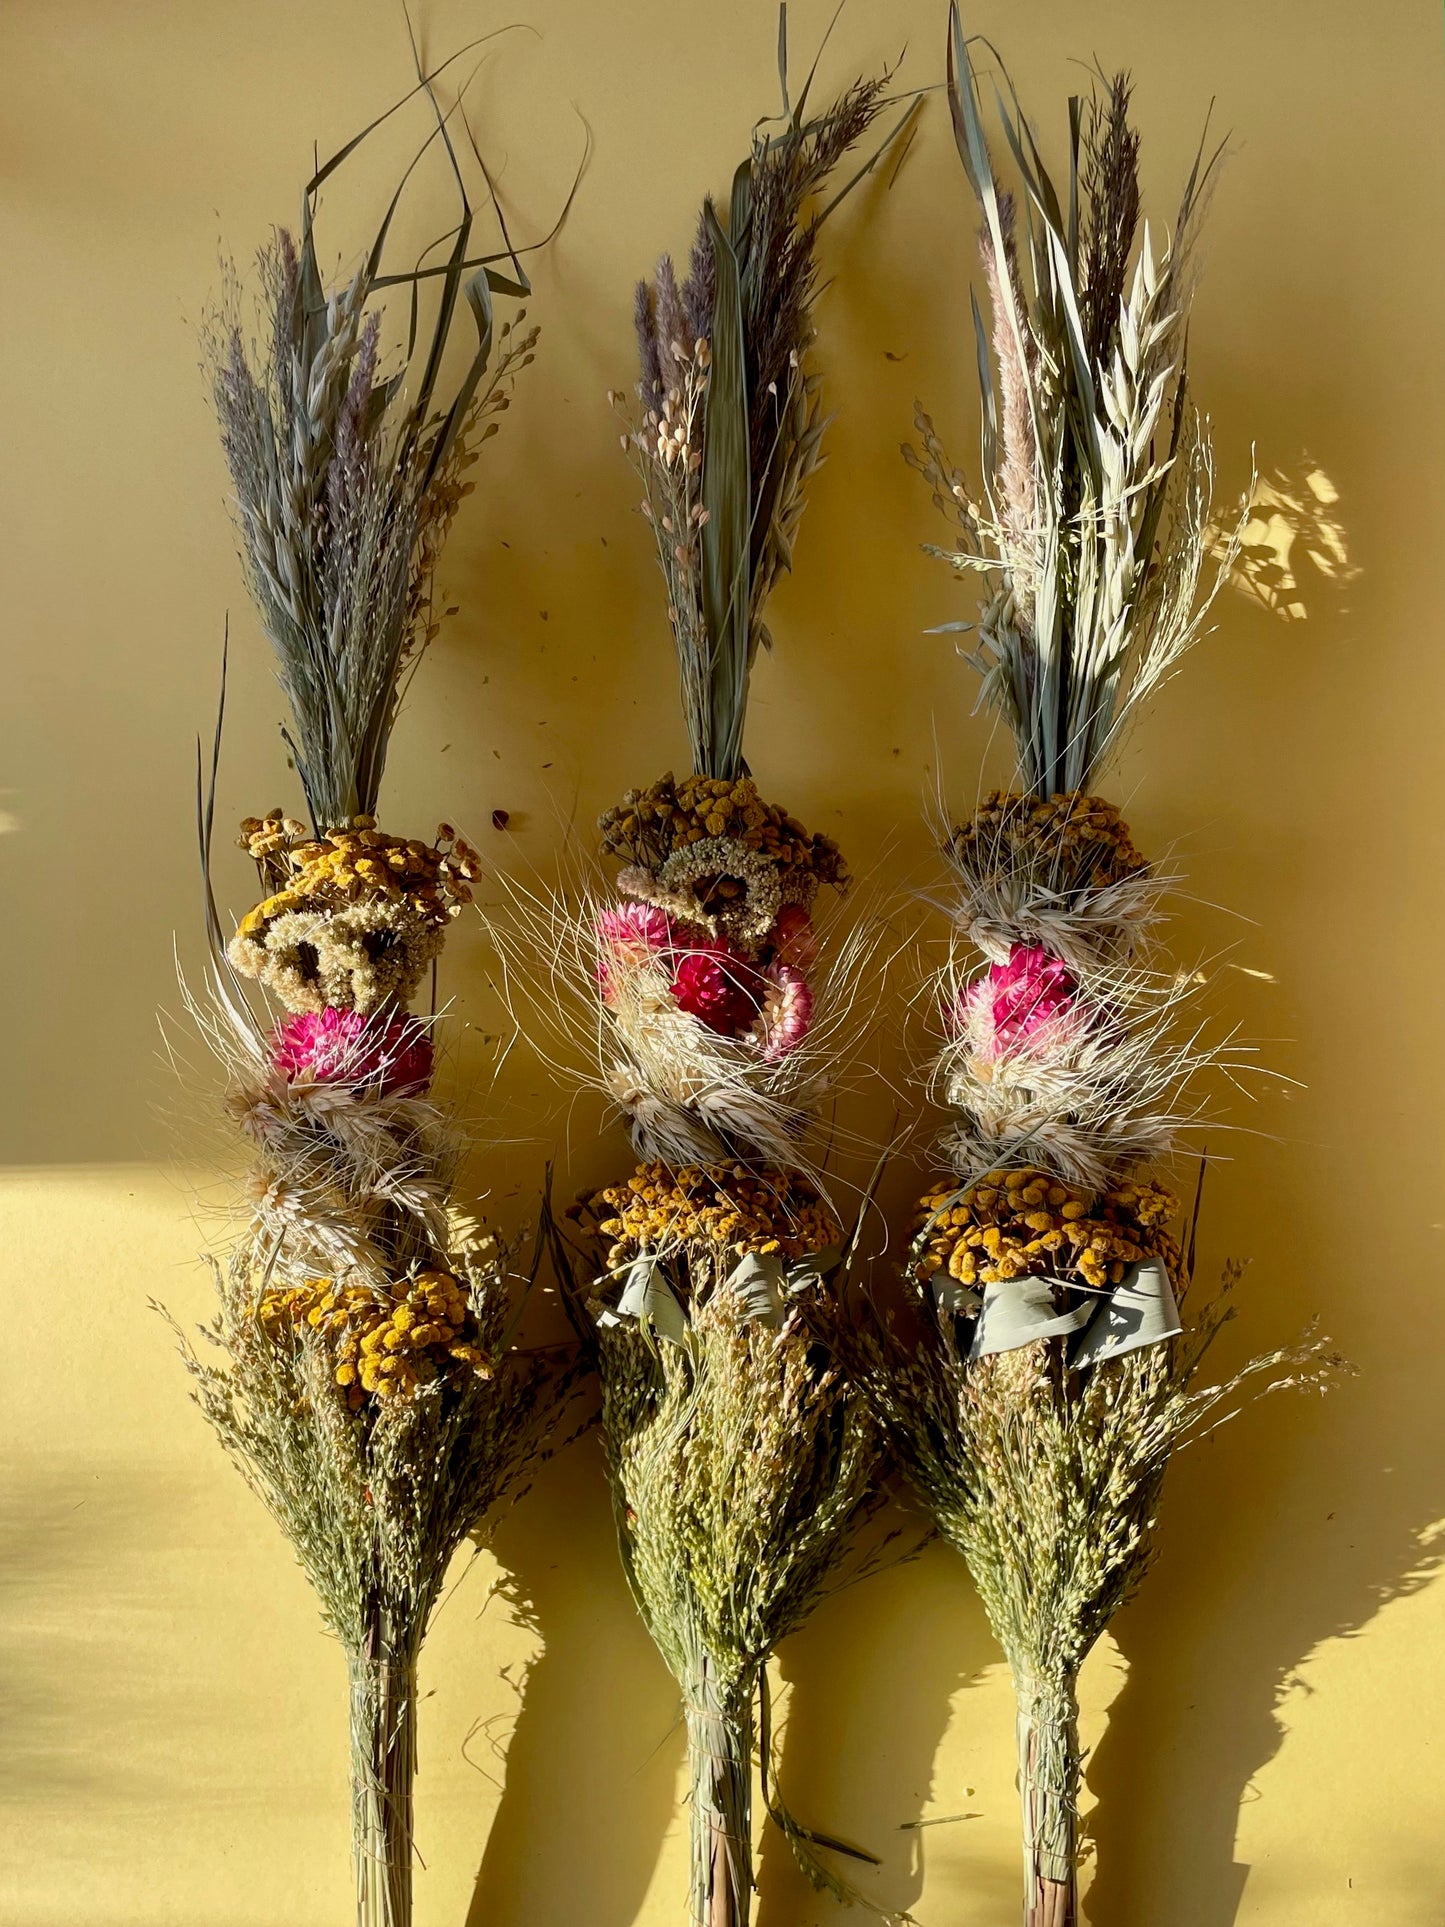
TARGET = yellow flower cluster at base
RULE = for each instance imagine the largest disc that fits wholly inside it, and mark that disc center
(1082, 838)
(728, 1206)
(649, 825)
(383, 1344)
(1016, 1224)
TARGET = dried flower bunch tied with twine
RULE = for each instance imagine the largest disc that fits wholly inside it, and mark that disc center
(366, 1378)
(1050, 1378)
(741, 1461)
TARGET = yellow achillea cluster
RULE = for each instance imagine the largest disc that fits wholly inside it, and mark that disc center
(649, 825)
(1016, 1224)
(354, 918)
(1082, 839)
(726, 1205)
(384, 1345)
(356, 864)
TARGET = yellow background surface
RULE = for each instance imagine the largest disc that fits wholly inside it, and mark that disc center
(171, 1719)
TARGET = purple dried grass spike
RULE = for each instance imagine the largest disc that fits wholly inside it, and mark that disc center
(699, 291)
(644, 318)
(671, 322)
(348, 474)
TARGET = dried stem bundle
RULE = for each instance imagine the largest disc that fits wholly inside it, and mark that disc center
(730, 425)
(741, 1462)
(375, 1501)
(742, 1467)
(1048, 1482)
(1094, 523)
(369, 1386)
(1050, 1377)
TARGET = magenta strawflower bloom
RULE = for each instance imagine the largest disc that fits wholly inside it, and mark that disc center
(793, 939)
(348, 1047)
(1020, 999)
(628, 934)
(786, 1013)
(718, 986)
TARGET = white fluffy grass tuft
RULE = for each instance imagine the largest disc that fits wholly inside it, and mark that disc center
(688, 1095)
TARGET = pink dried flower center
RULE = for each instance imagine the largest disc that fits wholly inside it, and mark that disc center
(347, 1047)
(719, 987)
(627, 934)
(1032, 989)
(787, 1012)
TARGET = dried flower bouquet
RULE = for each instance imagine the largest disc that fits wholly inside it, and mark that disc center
(1050, 1378)
(368, 1384)
(740, 1460)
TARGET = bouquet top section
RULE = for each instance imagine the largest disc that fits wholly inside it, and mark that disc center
(1089, 520)
(348, 460)
(729, 425)
(704, 966)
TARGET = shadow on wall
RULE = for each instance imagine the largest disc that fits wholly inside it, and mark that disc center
(868, 1698)
(48, 1547)
(592, 1762)
(1265, 1559)
(1297, 1526)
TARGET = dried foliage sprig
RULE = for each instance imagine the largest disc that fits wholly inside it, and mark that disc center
(376, 1495)
(348, 470)
(1093, 524)
(1045, 1378)
(730, 425)
(366, 1379)
(1048, 1482)
(741, 1461)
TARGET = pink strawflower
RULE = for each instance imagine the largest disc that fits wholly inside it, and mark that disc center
(793, 939)
(1031, 992)
(786, 1013)
(348, 1047)
(718, 986)
(627, 934)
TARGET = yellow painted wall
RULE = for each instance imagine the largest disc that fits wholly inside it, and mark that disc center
(171, 1746)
